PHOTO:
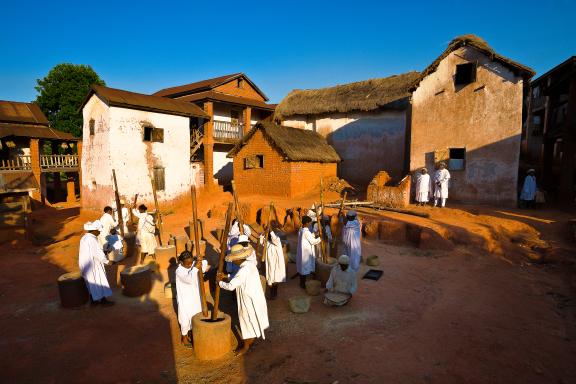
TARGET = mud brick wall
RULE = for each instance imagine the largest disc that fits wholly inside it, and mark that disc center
(389, 196)
(277, 177)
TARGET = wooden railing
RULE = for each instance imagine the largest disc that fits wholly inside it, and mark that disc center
(227, 131)
(19, 163)
(47, 163)
(58, 161)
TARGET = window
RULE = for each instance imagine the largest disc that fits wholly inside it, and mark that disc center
(152, 134)
(234, 118)
(91, 124)
(457, 158)
(254, 162)
(240, 83)
(465, 74)
(159, 178)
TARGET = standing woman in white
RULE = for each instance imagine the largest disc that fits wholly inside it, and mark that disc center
(422, 187)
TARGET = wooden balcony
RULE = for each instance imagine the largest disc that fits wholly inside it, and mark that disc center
(226, 132)
(48, 163)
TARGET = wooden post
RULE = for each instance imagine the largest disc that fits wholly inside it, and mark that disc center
(320, 230)
(118, 206)
(338, 216)
(237, 207)
(157, 209)
(267, 232)
(223, 241)
(198, 253)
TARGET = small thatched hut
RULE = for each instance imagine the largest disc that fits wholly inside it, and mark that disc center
(281, 161)
(360, 120)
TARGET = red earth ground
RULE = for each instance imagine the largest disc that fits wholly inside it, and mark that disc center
(497, 306)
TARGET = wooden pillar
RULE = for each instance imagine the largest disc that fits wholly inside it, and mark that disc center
(79, 150)
(247, 119)
(209, 146)
(37, 170)
(70, 190)
(57, 185)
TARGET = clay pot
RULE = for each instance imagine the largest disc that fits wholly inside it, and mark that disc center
(136, 281)
(72, 290)
(323, 270)
(313, 287)
(163, 255)
(299, 304)
(130, 248)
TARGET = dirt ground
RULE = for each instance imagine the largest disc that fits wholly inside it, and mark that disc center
(496, 306)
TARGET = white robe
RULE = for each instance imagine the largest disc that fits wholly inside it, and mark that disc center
(114, 247)
(342, 281)
(188, 295)
(275, 264)
(125, 218)
(441, 176)
(91, 261)
(108, 223)
(529, 188)
(423, 188)
(146, 232)
(306, 253)
(351, 238)
(252, 310)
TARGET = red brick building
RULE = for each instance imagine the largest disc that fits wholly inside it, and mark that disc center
(281, 161)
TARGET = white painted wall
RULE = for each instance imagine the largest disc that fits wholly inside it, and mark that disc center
(118, 145)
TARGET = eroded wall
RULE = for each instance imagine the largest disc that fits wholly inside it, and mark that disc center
(118, 144)
(485, 117)
(367, 142)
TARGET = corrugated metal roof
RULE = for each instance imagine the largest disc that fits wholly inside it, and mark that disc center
(125, 99)
(34, 131)
(18, 182)
(211, 95)
(18, 112)
(205, 85)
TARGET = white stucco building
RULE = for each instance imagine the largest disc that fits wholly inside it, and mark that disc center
(140, 136)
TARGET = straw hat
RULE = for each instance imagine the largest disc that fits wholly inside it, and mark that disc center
(243, 239)
(238, 252)
(93, 226)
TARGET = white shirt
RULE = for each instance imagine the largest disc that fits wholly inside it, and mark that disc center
(275, 262)
(188, 295)
(306, 254)
(441, 177)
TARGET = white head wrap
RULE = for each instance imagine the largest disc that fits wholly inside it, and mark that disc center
(93, 226)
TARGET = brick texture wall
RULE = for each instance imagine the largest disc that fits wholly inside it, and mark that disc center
(247, 90)
(278, 177)
(306, 176)
(273, 179)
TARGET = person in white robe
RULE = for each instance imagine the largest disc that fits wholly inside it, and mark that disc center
(422, 187)
(146, 235)
(108, 222)
(252, 309)
(188, 293)
(275, 264)
(351, 237)
(441, 179)
(341, 284)
(114, 248)
(233, 238)
(125, 215)
(91, 260)
(528, 194)
(306, 251)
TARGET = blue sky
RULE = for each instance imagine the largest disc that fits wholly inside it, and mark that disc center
(144, 46)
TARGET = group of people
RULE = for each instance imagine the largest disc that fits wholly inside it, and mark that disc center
(424, 187)
(102, 245)
(341, 284)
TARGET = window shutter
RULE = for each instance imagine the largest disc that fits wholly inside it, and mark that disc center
(158, 135)
(159, 178)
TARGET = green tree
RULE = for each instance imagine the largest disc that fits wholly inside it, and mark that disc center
(61, 93)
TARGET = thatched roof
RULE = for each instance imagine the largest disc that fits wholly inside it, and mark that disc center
(292, 143)
(481, 45)
(390, 92)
